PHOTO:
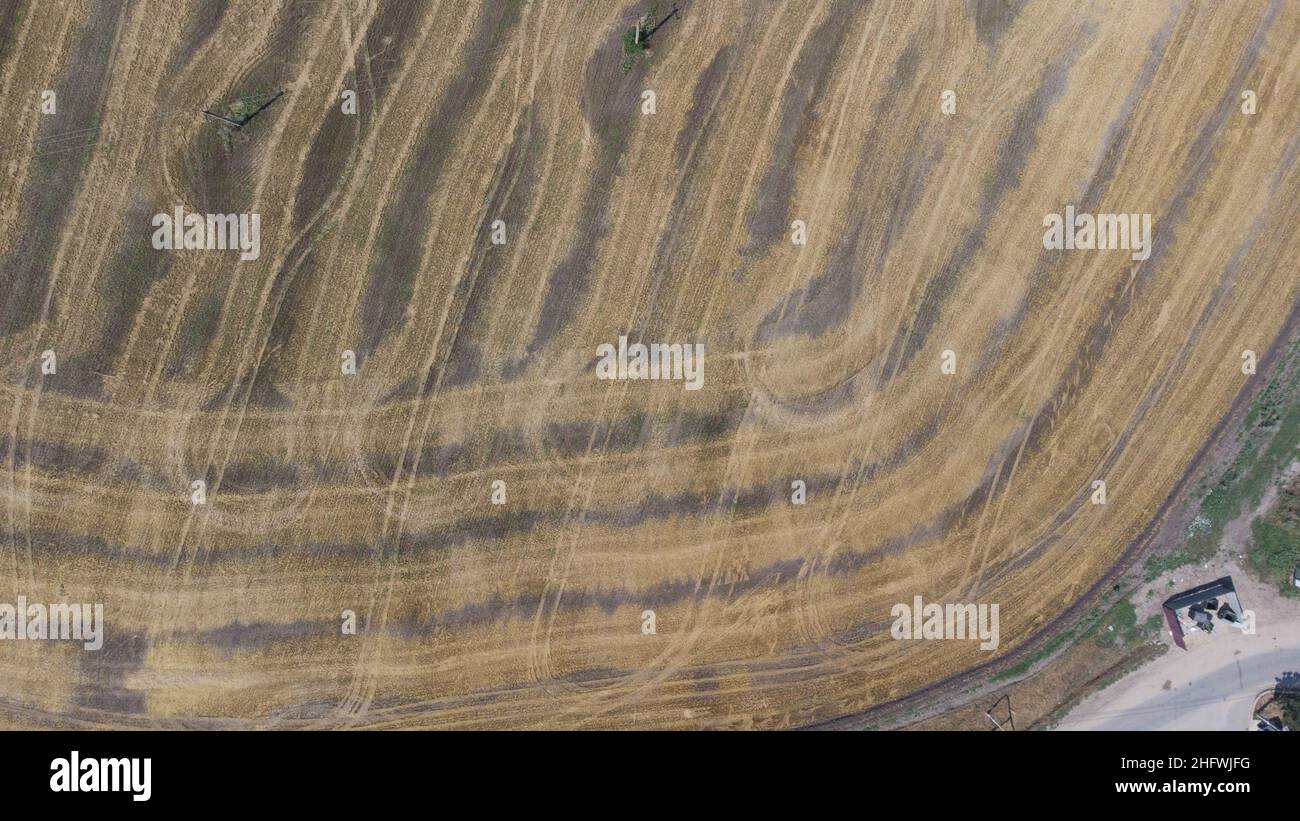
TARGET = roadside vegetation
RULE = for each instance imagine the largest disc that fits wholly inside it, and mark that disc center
(1267, 445)
(1282, 706)
(1290, 705)
(1275, 541)
(1113, 624)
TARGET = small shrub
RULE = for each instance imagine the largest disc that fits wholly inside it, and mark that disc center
(632, 49)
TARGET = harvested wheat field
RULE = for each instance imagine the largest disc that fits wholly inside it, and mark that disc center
(186, 442)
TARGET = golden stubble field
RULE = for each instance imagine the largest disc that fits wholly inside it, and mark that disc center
(372, 493)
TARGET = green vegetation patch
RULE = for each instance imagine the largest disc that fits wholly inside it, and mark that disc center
(1115, 626)
(1275, 542)
(1268, 436)
(636, 46)
(632, 49)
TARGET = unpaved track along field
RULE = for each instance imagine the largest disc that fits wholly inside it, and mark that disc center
(372, 492)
